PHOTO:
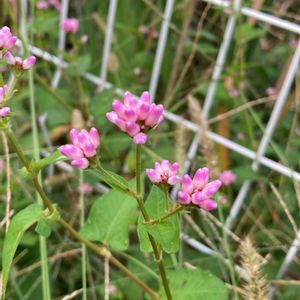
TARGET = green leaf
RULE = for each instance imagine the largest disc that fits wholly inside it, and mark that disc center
(166, 233)
(195, 285)
(19, 224)
(248, 33)
(109, 220)
(114, 180)
(51, 159)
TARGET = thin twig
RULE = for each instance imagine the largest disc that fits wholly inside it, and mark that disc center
(239, 109)
(51, 259)
(72, 295)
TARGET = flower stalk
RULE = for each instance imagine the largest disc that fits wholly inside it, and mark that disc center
(156, 250)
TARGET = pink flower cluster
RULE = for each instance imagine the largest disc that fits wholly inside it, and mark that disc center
(4, 111)
(46, 4)
(84, 147)
(18, 63)
(136, 117)
(85, 188)
(7, 40)
(70, 25)
(227, 177)
(164, 173)
(198, 190)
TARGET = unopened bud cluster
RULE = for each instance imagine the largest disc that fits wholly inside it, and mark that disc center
(18, 65)
(136, 117)
(83, 148)
(4, 111)
(197, 190)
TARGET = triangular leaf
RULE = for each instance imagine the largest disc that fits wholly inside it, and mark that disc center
(109, 220)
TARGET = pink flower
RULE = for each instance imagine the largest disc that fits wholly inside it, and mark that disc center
(85, 188)
(271, 90)
(136, 117)
(28, 62)
(227, 177)
(198, 190)
(84, 147)
(233, 92)
(293, 43)
(4, 112)
(111, 289)
(7, 40)
(42, 5)
(56, 4)
(164, 173)
(18, 63)
(84, 39)
(70, 25)
(3, 91)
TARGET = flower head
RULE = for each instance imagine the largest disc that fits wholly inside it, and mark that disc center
(56, 4)
(164, 173)
(83, 148)
(7, 40)
(136, 117)
(85, 188)
(84, 39)
(271, 91)
(70, 25)
(4, 112)
(18, 63)
(227, 177)
(42, 5)
(198, 190)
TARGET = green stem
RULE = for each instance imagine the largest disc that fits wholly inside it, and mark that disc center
(26, 164)
(115, 181)
(228, 253)
(101, 251)
(11, 89)
(1, 80)
(157, 252)
(172, 211)
(138, 169)
(83, 246)
(38, 181)
(36, 148)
